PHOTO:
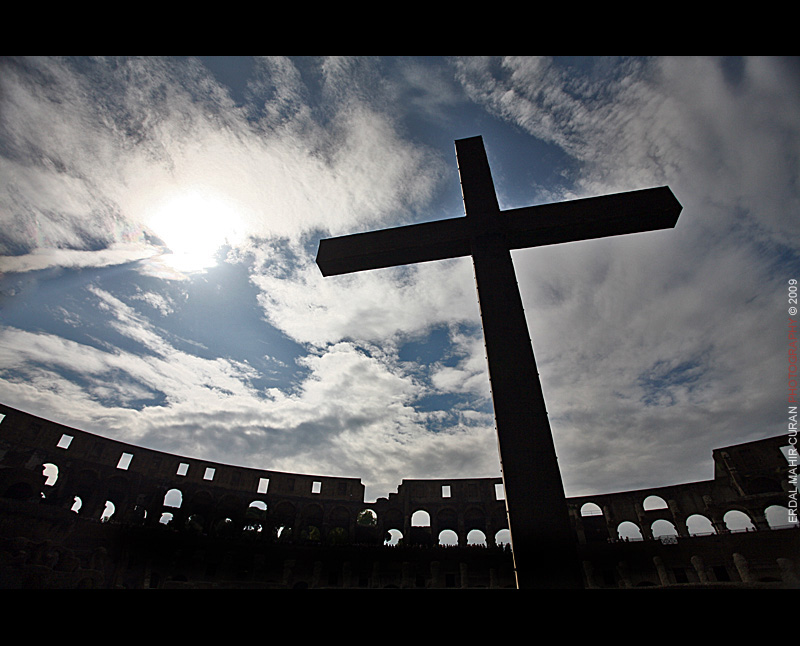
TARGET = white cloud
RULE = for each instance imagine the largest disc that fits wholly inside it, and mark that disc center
(44, 258)
(353, 413)
(377, 306)
(91, 171)
(670, 120)
(163, 304)
(610, 318)
(470, 375)
(617, 325)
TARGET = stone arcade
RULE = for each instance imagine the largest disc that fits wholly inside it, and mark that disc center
(222, 531)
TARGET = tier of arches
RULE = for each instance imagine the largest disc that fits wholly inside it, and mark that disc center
(109, 499)
(448, 528)
(730, 519)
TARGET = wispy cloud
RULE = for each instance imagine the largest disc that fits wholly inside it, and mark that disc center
(94, 147)
(652, 348)
(640, 307)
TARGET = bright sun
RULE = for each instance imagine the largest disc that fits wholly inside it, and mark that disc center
(194, 225)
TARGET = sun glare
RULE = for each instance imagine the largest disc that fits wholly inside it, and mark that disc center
(194, 225)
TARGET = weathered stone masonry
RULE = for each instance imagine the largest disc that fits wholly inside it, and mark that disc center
(183, 522)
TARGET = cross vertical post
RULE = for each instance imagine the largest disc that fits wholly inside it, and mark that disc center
(543, 541)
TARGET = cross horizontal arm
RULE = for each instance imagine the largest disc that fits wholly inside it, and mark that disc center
(594, 217)
(391, 247)
(531, 226)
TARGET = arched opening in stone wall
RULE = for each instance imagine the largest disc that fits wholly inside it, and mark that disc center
(591, 509)
(224, 528)
(84, 484)
(593, 523)
(738, 521)
(311, 523)
(255, 518)
(201, 503)
(140, 514)
(108, 512)
(778, 517)
(421, 528)
(629, 531)
(50, 471)
(392, 522)
(166, 518)
(367, 518)
(395, 536)
(663, 527)
(503, 537)
(366, 528)
(116, 488)
(420, 518)
(337, 536)
(339, 520)
(173, 498)
(196, 523)
(311, 534)
(283, 517)
(476, 537)
(654, 502)
(699, 525)
(448, 537)
(230, 506)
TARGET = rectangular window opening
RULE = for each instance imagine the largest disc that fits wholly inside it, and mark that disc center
(263, 485)
(64, 442)
(209, 474)
(445, 491)
(124, 461)
(499, 492)
(316, 487)
(183, 469)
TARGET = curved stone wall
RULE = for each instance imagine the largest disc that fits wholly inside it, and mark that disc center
(120, 485)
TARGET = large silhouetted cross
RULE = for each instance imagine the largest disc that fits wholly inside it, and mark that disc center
(542, 539)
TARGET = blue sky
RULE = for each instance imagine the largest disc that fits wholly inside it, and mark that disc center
(159, 219)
